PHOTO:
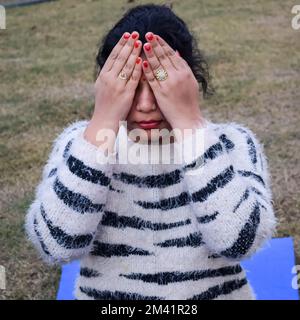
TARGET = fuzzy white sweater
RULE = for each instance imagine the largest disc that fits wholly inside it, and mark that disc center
(155, 231)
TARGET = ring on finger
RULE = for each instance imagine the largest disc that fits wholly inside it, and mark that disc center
(123, 75)
(161, 74)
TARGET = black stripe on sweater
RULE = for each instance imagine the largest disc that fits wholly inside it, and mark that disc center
(262, 206)
(52, 172)
(110, 250)
(246, 236)
(192, 240)
(62, 238)
(67, 148)
(164, 278)
(167, 204)
(220, 181)
(43, 246)
(185, 198)
(244, 197)
(115, 295)
(89, 273)
(174, 177)
(208, 218)
(258, 192)
(251, 174)
(222, 289)
(75, 201)
(251, 146)
(111, 188)
(114, 220)
(229, 145)
(214, 256)
(87, 173)
(153, 181)
(211, 153)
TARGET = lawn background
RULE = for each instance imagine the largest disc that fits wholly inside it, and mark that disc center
(47, 56)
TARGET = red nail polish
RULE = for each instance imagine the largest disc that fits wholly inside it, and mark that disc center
(136, 44)
(148, 46)
(134, 35)
(126, 36)
(145, 64)
(138, 60)
(150, 36)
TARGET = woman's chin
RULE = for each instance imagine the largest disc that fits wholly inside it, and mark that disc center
(149, 136)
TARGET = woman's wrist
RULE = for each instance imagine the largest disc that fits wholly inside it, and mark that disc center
(102, 133)
(184, 128)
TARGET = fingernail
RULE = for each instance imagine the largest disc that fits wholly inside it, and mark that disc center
(136, 44)
(138, 60)
(126, 35)
(150, 36)
(145, 64)
(134, 35)
(148, 46)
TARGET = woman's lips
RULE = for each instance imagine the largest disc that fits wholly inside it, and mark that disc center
(149, 124)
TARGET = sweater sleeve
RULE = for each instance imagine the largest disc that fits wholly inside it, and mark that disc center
(62, 220)
(228, 181)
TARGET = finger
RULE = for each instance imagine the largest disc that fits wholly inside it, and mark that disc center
(156, 54)
(151, 57)
(115, 52)
(133, 82)
(124, 54)
(154, 84)
(176, 60)
(130, 64)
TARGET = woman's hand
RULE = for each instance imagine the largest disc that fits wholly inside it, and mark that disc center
(114, 96)
(178, 95)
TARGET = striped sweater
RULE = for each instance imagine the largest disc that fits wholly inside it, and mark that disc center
(155, 231)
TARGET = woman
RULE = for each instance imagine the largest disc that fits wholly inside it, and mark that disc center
(153, 230)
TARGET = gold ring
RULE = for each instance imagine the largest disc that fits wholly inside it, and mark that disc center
(161, 74)
(123, 75)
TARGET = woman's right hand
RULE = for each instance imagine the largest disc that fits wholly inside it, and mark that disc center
(114, 96)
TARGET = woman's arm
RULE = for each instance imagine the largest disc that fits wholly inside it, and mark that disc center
(62, 220)
(229, 185)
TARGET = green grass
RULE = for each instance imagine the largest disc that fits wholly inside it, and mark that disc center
(46, 65)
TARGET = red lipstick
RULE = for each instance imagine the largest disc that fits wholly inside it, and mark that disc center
(150, 124)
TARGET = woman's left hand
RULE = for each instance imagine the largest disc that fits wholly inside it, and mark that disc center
(178, 95)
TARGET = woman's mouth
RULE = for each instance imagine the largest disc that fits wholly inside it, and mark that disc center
(150, 124)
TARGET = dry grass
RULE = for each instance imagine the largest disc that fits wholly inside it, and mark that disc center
(47, 60)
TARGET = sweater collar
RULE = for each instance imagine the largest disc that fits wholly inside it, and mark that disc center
(140, 153)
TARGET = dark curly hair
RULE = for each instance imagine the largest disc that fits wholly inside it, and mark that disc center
(159, 19)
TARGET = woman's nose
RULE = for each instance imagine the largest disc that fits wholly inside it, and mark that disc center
(145, 101)
(145, 107)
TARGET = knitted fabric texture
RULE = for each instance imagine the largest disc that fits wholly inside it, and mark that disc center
(155, 231)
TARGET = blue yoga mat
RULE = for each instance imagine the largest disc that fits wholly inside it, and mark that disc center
(269, 272)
